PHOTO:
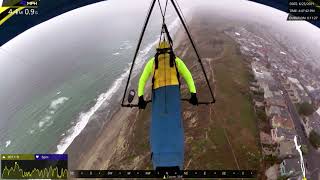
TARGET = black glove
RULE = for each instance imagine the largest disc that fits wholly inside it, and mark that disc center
(142, 104)
(193, 100)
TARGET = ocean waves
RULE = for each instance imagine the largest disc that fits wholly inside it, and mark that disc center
(104, 99)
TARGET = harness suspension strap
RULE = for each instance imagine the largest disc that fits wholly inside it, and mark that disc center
(156, 61)
(171, 58)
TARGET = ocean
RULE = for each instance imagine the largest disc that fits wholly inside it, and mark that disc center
(58, 76)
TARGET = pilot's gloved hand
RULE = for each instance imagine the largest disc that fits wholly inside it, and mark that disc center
(142, 104)
(193, 100)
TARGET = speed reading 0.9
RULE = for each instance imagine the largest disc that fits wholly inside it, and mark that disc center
(25, 11)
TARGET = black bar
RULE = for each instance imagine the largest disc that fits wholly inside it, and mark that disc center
(161, 174)
(137, 49)
(149, 101)
(194, 47)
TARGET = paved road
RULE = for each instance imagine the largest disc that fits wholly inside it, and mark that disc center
(313, 156)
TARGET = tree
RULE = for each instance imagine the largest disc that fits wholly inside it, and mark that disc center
(271, 159)
(268, 65)
(305, 109)
(314, 139)
(304, 149)
(282, 178)
(262, 115)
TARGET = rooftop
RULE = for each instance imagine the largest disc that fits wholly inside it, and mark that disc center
(276, 101)
(287, 133)
(292, 165)
(287, 148)
(279, 121)
(318, 111)
(314, 121)
(296, 81)
(310, 88)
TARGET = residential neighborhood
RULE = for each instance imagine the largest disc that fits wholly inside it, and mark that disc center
(286, 95)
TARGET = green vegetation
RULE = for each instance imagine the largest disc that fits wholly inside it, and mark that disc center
(258, 93)
(271, 159)
(304, 149)
(262, 115)
(268, 65)
(305, 109)
(282, 178)
(314, 139)
(251, 77)
(234, 112)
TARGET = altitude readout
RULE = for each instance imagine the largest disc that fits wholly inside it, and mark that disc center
(304, 10)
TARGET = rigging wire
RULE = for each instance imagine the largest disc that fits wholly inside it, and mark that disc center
(183, 17)
(163, 14)
(137, 49)
(195, 49)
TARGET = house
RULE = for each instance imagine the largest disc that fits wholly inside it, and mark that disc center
(267, 93)
(313, 123)
(282, 122)
(276, 101)
(315, 96)
(272, 110)
(254, 89)
(284, 113)
(291, 168)
(306, 98)
(261, 73)
(281, 134)
(265, 138)
(287, 149)
(258, 104)
(294, 96)
(292, 85)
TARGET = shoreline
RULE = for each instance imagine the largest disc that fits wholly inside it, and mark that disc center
(103, 141)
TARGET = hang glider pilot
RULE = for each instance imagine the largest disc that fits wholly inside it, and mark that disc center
(166, 129)
(166, 72)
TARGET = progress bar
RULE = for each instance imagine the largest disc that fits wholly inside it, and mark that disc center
(163, 174)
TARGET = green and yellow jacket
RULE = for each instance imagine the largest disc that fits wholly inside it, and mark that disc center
(165, 75)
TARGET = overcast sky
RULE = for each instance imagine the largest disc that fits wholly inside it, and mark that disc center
(251, 11)
(301, 32)
(243, 9)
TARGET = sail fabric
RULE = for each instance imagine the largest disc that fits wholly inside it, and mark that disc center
(166, 130)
